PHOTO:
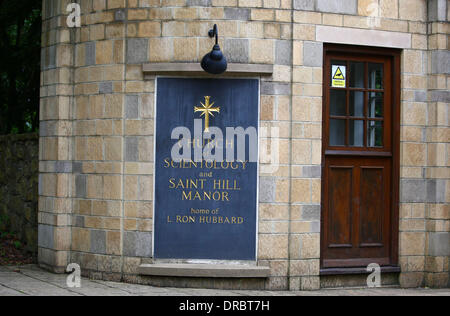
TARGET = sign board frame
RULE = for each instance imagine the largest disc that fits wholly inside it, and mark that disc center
(338, 76)
(253, 257)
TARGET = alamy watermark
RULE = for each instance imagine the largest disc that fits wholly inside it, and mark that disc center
(374, 279)
(373, 12)
(73, 280)
(235, 144)
(74, 18)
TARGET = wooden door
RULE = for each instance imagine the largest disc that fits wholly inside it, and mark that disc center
(360, 170)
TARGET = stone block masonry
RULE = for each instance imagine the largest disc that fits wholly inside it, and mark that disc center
(97, 126)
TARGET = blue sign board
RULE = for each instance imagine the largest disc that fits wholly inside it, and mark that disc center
(205, 209)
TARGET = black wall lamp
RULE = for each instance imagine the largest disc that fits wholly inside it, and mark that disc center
(214, 62)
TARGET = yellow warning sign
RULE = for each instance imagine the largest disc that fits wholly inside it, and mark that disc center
(338, 76)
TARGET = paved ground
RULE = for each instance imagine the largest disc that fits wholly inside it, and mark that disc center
(31, 280)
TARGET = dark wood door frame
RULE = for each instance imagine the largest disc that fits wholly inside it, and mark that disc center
(394, 55)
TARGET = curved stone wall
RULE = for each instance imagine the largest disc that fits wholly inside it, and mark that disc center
(97, 125)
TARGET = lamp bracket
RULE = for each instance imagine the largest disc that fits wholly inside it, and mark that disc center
(213, 32)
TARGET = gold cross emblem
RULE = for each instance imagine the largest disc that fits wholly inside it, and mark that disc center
(206, 111)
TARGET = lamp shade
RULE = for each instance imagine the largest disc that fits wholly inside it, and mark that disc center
(214, 62)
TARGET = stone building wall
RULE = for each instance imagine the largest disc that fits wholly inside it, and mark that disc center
(96, 147)
(437, 136)
(19, 187)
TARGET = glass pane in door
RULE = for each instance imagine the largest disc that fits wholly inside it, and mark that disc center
(375, 104)
(356, 75)
(337, 132)
(357, 103)
(374, 134)
(338, 101)
(375, 76)
(356, 133)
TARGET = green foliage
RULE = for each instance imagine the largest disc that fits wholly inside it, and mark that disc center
(20, 38)
(17, 244)
(4, 219)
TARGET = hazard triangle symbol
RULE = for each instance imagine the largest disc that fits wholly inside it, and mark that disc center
(338, 75)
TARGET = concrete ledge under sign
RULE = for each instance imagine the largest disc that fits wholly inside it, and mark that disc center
(204, 270)
(195, 69)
